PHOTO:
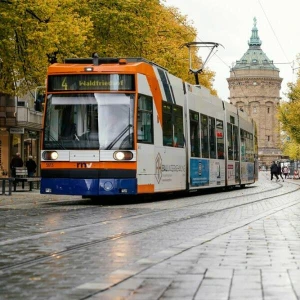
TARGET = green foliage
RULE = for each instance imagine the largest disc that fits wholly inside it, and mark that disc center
(291, 149)
(289, 117)
(35, 33)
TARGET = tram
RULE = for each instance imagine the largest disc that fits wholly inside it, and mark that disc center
(126, 126)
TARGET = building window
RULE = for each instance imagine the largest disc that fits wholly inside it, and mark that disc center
(268, 138)
(268, 110)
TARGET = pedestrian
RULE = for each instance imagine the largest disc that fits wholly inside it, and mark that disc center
(273, 169)
(285, 171)
(279, 173)
(31, 166)
(16, 162)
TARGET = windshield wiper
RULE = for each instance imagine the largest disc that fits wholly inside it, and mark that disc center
(118, 137)
(58, 145)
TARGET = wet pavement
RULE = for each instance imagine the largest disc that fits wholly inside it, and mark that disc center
(242, 244)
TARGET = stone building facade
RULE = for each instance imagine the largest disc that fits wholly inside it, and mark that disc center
(254, 86)
(20, 131)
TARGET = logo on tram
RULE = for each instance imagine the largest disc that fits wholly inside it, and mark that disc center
(158, 167)
(83, 165)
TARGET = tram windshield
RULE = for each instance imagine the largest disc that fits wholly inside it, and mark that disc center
(89, 121)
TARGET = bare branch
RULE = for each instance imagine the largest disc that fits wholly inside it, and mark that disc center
(36, 17)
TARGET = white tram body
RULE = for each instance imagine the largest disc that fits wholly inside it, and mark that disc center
(173, 136)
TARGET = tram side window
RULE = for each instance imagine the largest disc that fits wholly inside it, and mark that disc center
(230, 141)
(204, 136)
(250, 147)
(255, 141)
(220, 139)
(145, 119)
(173, 125)
(167, 125)
(212, 137)
(194, 134)
(243, 145)
(178, 139)
(247, 146)
(236, 142)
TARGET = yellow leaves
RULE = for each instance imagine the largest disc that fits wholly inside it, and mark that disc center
(33, 30)
(39, 28)
(292, 149)
(289, 116)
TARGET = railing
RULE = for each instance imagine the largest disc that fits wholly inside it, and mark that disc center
(29, 118)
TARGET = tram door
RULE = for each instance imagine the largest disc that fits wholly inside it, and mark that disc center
(145, 146)
(232, 145)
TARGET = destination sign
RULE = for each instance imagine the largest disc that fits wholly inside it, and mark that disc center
(91, 82)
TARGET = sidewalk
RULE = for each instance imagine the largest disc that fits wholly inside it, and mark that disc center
(255, 259)
(31, 197)
(250, 252)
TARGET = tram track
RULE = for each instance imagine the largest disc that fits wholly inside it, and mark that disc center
(72, 248)
(85, 202)
(107, 221)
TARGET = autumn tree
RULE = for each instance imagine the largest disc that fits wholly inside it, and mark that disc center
(34, 33)
(291, 149)
(148, 29)
(289, 116)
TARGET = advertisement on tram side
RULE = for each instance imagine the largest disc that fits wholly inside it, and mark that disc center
(199, 172)
(217, 173)
(207, 172)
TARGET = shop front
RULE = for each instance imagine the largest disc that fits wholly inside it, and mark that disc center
(20, 131)
(18, 140)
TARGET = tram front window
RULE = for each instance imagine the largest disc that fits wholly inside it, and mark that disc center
(89, 121)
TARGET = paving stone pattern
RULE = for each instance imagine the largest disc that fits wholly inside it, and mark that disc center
(247, 252)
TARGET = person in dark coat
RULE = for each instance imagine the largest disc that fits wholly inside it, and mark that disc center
(31, 166)
(274, 171)
(279, 172)
(16, 162)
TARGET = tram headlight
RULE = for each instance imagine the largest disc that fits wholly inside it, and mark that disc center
(50, 155)
(123, 155)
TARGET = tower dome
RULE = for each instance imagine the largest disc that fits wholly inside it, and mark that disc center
(255, 58)
(254, 86)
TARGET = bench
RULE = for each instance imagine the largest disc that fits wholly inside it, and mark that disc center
(22, 176)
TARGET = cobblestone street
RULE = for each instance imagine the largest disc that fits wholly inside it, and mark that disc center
(240, 244)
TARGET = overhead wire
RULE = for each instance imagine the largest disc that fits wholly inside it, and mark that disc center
(230, 68)
(273, 32)
(198, 38)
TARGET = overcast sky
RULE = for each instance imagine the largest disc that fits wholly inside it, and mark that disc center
(230, 23)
